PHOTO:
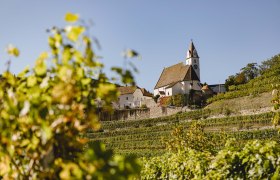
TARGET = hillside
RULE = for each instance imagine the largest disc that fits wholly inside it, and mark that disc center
(146, 137)
(242, 105)
(244, 113)
(270, 76)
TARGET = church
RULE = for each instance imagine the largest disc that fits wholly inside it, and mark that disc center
(180, 78)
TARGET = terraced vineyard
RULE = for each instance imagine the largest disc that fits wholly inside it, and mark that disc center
(261, 84)
(146, 137)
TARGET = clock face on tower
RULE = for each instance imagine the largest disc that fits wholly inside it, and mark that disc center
(195, 66)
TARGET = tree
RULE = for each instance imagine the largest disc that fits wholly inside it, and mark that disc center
(229, 82)
(45, 112)
(240, 78)
(266, 65)
(250, 71)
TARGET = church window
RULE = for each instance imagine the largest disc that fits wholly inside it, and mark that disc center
(194, 61)
(126, 98)
(195, 66)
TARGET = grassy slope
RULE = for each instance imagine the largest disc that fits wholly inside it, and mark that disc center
(239, 106)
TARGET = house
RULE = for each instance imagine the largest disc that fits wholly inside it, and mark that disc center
(218, 88)
(132, 97)
(206, 90)
(180, 78)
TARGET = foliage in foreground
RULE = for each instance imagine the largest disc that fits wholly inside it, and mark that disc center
(192, 155)
(257, 160)
(44, 111)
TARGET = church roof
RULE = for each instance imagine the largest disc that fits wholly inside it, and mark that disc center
(176, 73)
(171, 85)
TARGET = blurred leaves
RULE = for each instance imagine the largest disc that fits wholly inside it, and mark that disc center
(46, 111)
(73, 32)
(130, 53)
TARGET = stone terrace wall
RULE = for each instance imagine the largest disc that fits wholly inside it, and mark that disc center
(125, 114)
(163, 111)
(153, 111)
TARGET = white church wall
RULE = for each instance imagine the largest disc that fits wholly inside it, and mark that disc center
(156, 91)
(178, 88)
(168, 91)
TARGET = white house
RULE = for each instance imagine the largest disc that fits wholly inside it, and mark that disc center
(180, 78)
(132, 96)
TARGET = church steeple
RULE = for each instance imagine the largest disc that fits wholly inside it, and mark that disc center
(192, 51)
(192, 59)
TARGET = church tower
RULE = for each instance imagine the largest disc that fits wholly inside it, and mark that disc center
(192, 59)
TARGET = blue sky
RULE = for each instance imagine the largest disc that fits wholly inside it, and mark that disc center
(227, 34)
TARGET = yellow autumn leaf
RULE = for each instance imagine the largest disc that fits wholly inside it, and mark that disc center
(70, 17)
(12, 50)
(73, 32)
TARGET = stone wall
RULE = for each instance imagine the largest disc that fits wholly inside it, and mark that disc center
(163, 111)
(150, 103)
(125, 114)
(153, 111)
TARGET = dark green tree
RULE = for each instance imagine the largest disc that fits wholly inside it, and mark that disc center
(229, 82)
(266, 65)
(250, 71)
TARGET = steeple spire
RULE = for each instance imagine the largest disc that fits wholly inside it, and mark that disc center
(192, 59)
(192, 51)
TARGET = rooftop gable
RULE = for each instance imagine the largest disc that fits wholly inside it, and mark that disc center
(127, 89)
(176, 73)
